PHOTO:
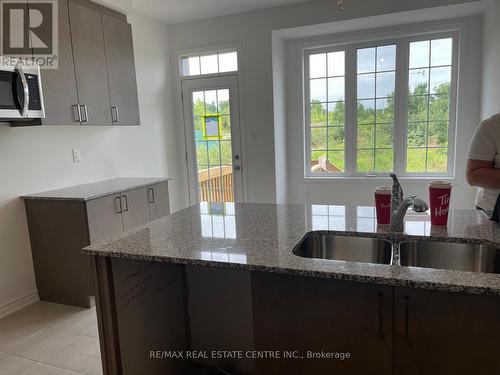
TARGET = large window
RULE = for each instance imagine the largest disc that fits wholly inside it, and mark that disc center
(381, 107)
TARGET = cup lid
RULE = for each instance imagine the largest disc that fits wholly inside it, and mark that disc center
(383, 190)
(440, 184)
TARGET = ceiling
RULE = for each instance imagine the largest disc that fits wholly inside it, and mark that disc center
(175, 11)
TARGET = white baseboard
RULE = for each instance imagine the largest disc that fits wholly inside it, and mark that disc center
(18, 303)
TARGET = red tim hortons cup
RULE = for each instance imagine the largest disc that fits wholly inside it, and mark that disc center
(439, 197)
(383, 204)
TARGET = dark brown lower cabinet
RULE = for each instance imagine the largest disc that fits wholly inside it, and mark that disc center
(446, 333)
(322, 316)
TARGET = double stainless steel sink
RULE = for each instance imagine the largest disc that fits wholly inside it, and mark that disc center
(426, 254)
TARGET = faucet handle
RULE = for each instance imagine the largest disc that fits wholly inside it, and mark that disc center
(419, 205)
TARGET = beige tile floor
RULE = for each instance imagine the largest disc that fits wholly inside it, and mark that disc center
(50, 339)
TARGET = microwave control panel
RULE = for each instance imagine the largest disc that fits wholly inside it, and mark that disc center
(34, 90)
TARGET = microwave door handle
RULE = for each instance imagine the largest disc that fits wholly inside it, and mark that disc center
(24, 82)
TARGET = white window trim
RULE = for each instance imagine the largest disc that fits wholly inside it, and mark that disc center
(353, 40)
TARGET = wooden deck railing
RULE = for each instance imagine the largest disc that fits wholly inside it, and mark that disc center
(216, 184)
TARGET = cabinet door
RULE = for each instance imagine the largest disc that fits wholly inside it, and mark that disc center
(104, 218)
(90, 63)
(59, 85)
(121, 71)
(135, 208)
(446, 333)
(313, 314)
(159, 204)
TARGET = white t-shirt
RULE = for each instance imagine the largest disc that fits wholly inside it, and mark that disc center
(485, 146)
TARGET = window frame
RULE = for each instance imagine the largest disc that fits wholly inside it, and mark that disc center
(209, 52)
(401, 102)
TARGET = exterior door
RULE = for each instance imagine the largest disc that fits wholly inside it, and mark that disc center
(211, 119)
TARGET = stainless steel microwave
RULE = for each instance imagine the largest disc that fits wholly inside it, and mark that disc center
(20, 90)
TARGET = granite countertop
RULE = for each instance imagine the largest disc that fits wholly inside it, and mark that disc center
(261, 237)
(97, 189)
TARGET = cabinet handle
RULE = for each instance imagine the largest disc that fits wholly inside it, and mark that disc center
(118, 206)
(77, 113)
(85, 113)
(151, 195)
(380, 322)
(126, 203)
(115, 115)
(407, 310)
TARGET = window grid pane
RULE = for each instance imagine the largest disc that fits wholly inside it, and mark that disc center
(429, 98)
(211, 63)
(327, 112)
(376, 83)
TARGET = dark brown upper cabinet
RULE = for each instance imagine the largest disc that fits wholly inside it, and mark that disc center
(90, 64)
(121, 70)
(95, 81)
(59, 85)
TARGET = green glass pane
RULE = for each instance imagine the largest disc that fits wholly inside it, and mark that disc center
(437, 160)
(366, 136)
(384, 160)
(439, 107)
(336, 113)
(226, 152)
(417, 108)
(385, 136)
(198, 103)
(223, 101)
(385, 110)
(438, 134)
(318, 114)
(213, 153)
(198, 131)
(336, 138)
(226, 127)
(201, 154)
(416, 160)
(318, 138)
(417, 134)
(366, 112)
(336, 161)
(365, 161)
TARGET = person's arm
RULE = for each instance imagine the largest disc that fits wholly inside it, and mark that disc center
(481, 173)
(481, 170)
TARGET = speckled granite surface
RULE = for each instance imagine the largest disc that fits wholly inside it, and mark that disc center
(261, 237)
(97, 189)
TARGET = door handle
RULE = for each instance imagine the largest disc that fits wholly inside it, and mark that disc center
(237, 168)
(151, 195)
(118, 205)
(407, 312)
(380, 321)
(126, 203)
(26, 90)
(77, 113)
(115, 115)
(85, 117)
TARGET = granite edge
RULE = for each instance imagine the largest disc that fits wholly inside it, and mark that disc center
(37, 196)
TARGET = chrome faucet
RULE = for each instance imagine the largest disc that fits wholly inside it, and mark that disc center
(399, 206)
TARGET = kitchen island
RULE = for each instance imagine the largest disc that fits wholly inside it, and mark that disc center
(191, 288)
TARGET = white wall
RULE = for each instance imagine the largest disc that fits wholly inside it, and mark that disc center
(252, 32)
(35, 159)
(491, 60)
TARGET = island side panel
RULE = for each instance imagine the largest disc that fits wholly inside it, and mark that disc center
(58, 231)
(220, 315)
(150, 308)
(295, 313)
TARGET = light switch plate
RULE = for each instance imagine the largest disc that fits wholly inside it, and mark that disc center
(77, 155)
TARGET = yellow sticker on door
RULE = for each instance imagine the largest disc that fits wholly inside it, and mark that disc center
(212, 127)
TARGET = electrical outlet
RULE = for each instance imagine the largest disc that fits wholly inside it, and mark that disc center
(77, 155)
